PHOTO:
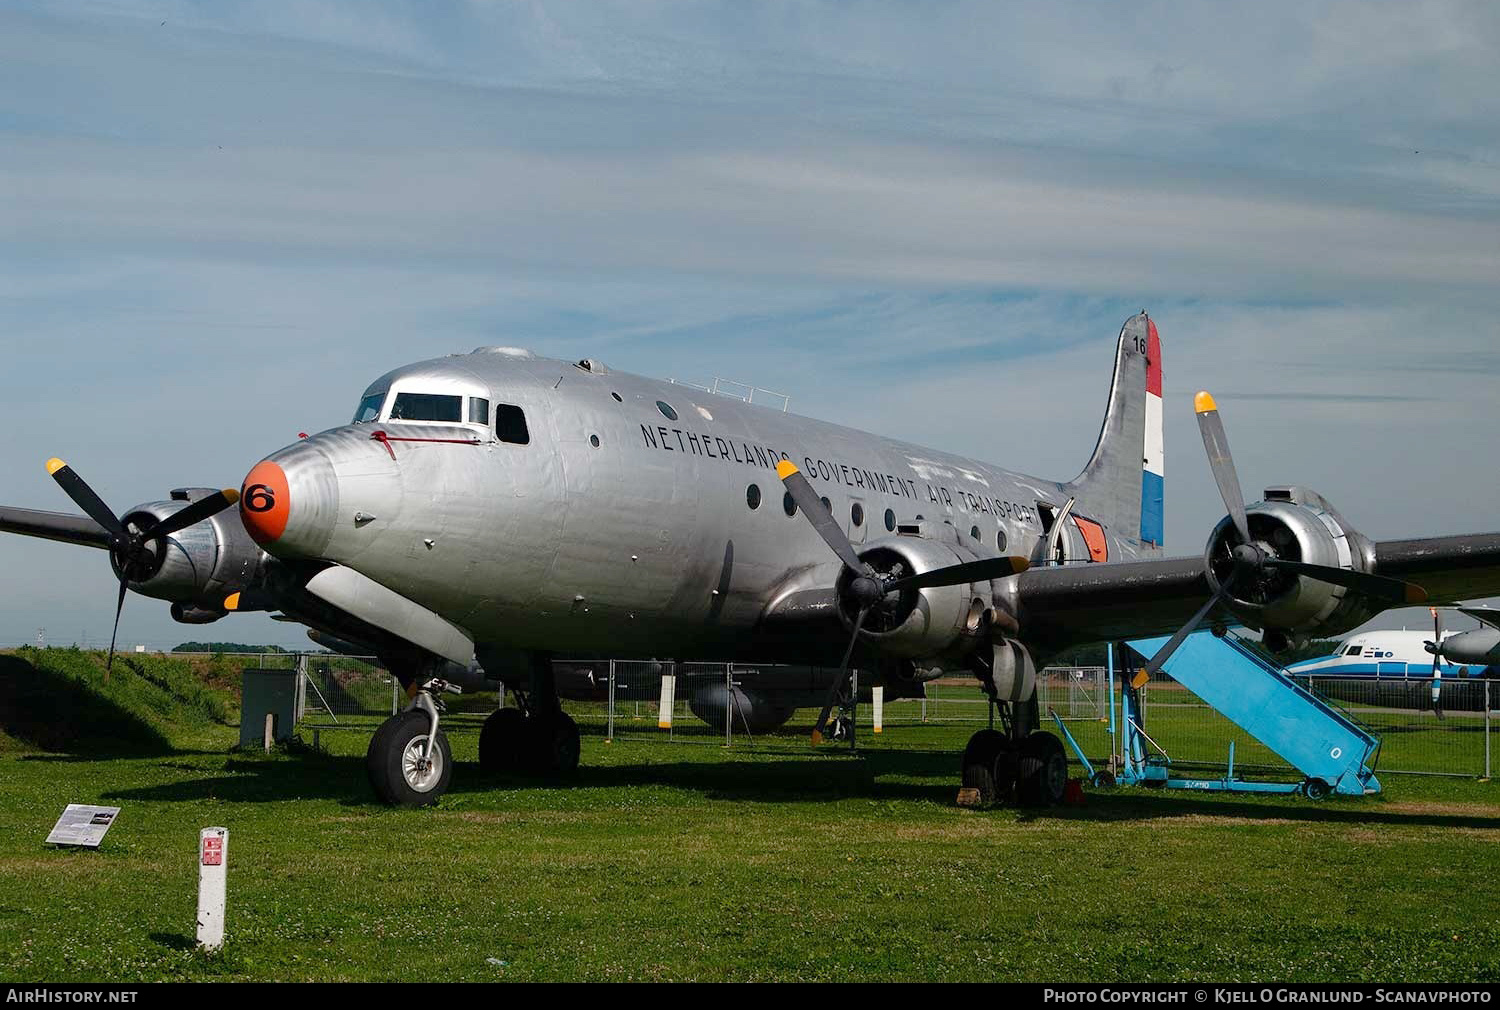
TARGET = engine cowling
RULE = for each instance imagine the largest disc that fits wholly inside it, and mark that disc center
(196, 567)
(919, 623)
(1298, 524)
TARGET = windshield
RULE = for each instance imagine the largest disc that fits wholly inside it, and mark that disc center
(427, 407)
(369, 407)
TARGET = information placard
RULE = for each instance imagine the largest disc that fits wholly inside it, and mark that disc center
(81, 824)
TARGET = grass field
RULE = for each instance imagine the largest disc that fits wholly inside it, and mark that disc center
(686, 860)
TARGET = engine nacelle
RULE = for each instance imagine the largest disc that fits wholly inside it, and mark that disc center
(757, 711)
(197, 566)
(919, 623)
(1296, 524)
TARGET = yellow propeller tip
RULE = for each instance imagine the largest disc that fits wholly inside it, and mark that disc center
(231, 495)
(54, 464)
(232, 601)
(1019, 564)
(817, 738)
(1204, 402)
(1139, 680)
(785, 469)
(1416, 594)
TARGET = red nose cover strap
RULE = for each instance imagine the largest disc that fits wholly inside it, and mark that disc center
(265, 502)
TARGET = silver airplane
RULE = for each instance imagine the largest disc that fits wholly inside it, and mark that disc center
(504, 508)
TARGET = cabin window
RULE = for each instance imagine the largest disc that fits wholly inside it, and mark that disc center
(479, 410)
(827, 505)
(1353, 650)
(857, 514)
(974, 532)
(510, 424)
(1000, 543)
(617, 397)
(369, 407)
(594, 441)
(752, 496)
(666, 410)
(428, 407)
(890, 521)
(788, 504)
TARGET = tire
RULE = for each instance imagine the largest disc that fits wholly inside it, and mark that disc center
(1042, 771)
(551, 745)
(1316, 789)
(502, 740)
(989, 766)
(1104, 779)
(394, 759)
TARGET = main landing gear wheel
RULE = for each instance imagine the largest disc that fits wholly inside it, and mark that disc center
(989, 766)
(1316, 789)
(1042, 771)
(403, 770)
(551, 744)
(502, 740)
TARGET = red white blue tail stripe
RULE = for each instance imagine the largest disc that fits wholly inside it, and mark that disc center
(1154, 466)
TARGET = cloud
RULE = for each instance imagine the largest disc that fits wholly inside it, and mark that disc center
(215, 231)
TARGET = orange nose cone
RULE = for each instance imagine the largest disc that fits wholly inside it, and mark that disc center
(265, 502)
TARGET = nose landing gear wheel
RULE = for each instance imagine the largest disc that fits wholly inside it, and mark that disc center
(1042, 772)
(403, 769)
(989, 766)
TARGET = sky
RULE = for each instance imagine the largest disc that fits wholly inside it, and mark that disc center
(219, 221)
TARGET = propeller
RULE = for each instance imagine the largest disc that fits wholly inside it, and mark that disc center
(1435, 647)
(1248, 560)
(131, 549)
(868, 589)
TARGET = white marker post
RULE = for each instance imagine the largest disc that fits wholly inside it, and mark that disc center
(877, 695)
(668, 699)
(213, 864)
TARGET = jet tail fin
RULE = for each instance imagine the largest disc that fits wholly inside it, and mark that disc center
(1122, 485)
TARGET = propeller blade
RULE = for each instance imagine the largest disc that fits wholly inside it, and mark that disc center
(65, 527)
(982, 570)
(822, 520)
(1165, 652)
(1216, 444)
(1437, 640)
(119, 606)
(1378, 586)
(84, 497)
(838, 685)
(195, 513)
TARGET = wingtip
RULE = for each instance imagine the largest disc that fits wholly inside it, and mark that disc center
(1204, 402)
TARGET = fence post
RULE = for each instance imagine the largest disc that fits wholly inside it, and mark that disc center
(728, 704)
(1486, 728)
(395, 694)
(610, 734)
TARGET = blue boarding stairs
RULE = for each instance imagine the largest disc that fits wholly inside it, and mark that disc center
(1333, 752)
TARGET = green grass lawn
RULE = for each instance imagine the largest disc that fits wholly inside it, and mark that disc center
(683, 859)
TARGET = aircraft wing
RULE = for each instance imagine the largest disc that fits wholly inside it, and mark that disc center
(1073, 604)
(71, 529)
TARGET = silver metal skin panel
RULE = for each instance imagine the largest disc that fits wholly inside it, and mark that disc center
(643, 545)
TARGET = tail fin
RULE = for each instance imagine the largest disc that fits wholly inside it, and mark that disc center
(1122, 485)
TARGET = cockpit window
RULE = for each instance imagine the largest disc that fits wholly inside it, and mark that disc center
(369, 407)
(1353, 650)
(510, 424)
(427, 407)
(479, 410)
